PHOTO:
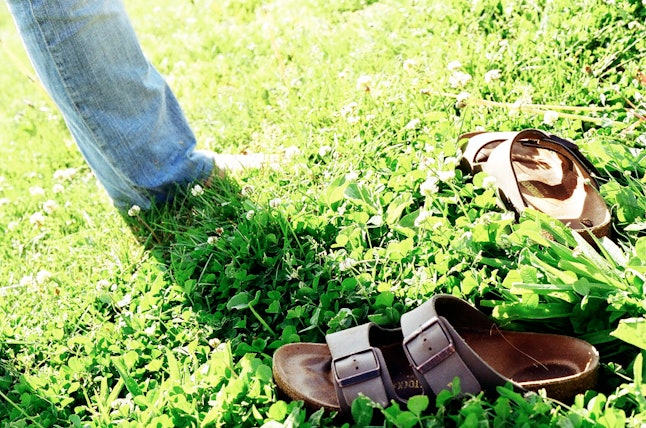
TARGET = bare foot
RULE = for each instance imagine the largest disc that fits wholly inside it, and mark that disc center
(225, 164)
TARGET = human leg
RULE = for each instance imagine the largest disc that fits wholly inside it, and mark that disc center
(125, 119)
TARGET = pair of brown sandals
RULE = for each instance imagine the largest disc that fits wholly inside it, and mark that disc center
(446, 338)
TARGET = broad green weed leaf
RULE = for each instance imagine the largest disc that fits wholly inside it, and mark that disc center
(155, 365)
(131, 384)
(633, 331)
(385, 298)
(406, 225)
(399, 250)
(418, 404)
(362, 411)
(263, 372)
(585, 287)
(239, 301)
(278, 410)
(397, 207)
(638, 367)
(407, 419)
(173, 366)
(362, 196)
(334, 193)
(541, 311)
(130, 358)
(640, 248)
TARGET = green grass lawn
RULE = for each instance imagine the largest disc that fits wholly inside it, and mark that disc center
(171, 317)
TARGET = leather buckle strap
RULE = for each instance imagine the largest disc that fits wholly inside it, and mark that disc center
(356, 368)
(423, 344)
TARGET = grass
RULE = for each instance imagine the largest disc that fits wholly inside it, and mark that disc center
(171, 317)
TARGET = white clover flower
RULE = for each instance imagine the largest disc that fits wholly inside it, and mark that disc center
(65, 174)
(37, 219)
(488, 182)
(292, 151)
(453, 65)
(430, 186)
(50, 206)
(342, 74)
(462, 99)
(346, 264)
(409, 65)
(58, 188)
(13, 225)
(520, 102)
(219, 231)
(446, 175)
(43, 276)
(36, 191)
(364, 83)
(324, 150)
(353, 119)
(351, 176)
(212, 240)
(246, 190)
(413, 125)
(491, 75)
(348, 109)
(422, 217)
(4, 201)
(249, 215)
(197, 190)
(508, 215)
(102, 284)
(275, 203)
(427, 161)
(450, 161)
(459, 79)
(125, 301)
(26, 281)
(550, 117)
(134, 211)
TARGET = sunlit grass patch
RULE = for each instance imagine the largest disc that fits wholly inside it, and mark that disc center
(170, 317)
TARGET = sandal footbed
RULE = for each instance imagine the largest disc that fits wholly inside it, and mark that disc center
(563, 365)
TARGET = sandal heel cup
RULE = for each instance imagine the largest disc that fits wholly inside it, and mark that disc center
(443, 338)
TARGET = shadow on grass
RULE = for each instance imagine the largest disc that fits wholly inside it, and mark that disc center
(242, 265)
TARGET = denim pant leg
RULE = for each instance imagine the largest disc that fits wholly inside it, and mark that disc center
(125, 119)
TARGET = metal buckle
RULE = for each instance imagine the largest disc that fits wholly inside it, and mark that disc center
(438, 356)
(357, 377)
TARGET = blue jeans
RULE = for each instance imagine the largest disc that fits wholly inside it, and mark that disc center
(126, 121)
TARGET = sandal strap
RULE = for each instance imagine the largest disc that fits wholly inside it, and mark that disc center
(432, 352)
(500, 163)
(437, 352)
(358, 367)
(475, 150)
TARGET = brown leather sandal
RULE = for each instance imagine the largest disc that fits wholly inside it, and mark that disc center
(442, 339)
(545, 172)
